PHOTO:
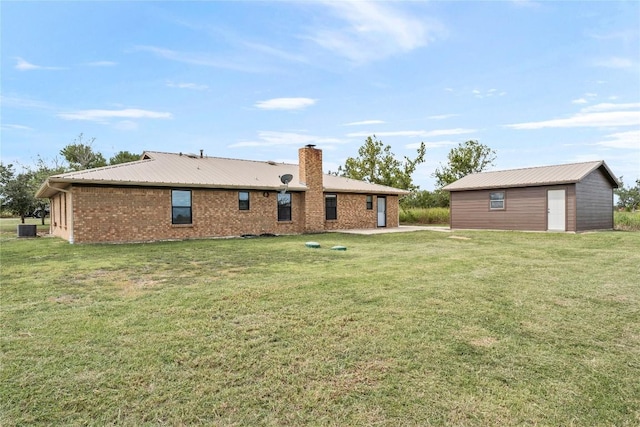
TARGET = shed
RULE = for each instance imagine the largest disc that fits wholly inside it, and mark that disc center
(571, 197)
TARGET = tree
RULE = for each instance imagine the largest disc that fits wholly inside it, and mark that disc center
(123, 157)
(424, 199)
(628, 198)
(81, 156)
(39, 174)
(6, 174)
(377, 164)
(468, 157)
(17, 194)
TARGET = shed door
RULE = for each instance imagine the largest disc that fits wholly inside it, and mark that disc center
(556, 210)
(382, 211)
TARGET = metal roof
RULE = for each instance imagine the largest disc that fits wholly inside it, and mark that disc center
(530, 177)
(187, 170)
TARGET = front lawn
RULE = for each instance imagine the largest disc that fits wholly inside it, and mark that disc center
(408, 329)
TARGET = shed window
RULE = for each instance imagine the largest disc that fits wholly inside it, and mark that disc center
(369, 203)
(243, 200)
(496, 200)
(331, 206)
(284, 207)
(181, 206)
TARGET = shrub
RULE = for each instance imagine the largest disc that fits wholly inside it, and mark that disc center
(629, 221)
(425, 216)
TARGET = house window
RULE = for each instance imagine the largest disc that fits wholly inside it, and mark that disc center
(496, 200)
(181, 206)
(369, 203)
(331, 206)
(243, 200)
(284, 207)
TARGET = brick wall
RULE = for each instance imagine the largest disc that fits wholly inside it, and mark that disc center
(353, 212)
(125, 214)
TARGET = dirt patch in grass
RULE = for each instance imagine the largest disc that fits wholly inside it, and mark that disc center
(460, 237)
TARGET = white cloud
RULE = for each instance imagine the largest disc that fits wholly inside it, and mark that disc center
(23, 65)
(414, 133)
(628, 140)
(374, 30)
(274, 52)
(623, 35)
(15, 102)
(7, 126)
(442, 116)
(365, 122)
(611, 106)
(526, 3)
(431, 144)
(614, 62)
(102, 115)
(600, 115)
(192, 86)
(579, 101)
(491, 92)
(202, 59)
(271, 138)
(285, 103)
(101, 64)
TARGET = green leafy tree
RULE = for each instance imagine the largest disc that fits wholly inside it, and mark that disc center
(80, 155)
(123, 157)
(377, 164)
(424, 199)
(39, 175)
(17, 195)
(7, 174)
(468, 157)
(628, 198)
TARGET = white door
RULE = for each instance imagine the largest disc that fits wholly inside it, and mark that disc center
(382, 211)
(556, 211)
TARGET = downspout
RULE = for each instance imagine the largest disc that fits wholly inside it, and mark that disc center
(70, 208)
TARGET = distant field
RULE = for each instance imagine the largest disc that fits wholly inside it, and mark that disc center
(408, 329)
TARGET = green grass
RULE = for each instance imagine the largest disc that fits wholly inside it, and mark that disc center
(410, 329)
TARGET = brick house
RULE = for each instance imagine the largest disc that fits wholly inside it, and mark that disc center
(571, 197)
(178, 196)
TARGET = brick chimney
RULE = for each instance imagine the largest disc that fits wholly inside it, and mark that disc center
(310, 169)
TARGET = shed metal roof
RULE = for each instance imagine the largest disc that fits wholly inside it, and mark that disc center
(531, 177)
(181, 170)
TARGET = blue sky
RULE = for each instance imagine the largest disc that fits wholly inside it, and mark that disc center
(539, 82)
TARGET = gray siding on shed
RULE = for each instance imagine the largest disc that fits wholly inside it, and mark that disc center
(594, 196)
